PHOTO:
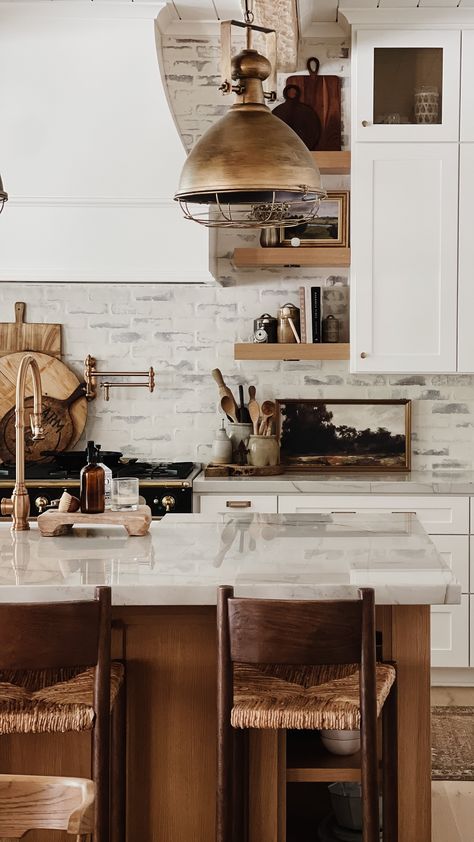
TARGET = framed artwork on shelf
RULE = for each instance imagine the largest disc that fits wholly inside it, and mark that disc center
(343, 435)
(329, 226)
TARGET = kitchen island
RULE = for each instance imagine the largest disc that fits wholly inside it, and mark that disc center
(164, 593)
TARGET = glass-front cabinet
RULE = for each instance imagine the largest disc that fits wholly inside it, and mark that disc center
(407, 85)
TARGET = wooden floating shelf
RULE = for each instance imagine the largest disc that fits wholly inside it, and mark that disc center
(333, 163)
(291, 351)
(288, 256)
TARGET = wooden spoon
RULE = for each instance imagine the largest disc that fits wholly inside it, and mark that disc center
(229, 407)
(254, 411)
(268, 409)
(252, 392)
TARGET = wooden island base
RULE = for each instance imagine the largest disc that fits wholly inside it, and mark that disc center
(171, 677)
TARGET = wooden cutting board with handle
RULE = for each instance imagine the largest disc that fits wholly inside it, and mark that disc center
(323, 94)
(21, 336)
(64, 410)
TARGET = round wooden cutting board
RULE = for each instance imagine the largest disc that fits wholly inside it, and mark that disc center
(63, 425)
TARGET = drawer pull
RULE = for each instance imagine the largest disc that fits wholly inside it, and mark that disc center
(238, 504)
(403, 513)
(343, 512)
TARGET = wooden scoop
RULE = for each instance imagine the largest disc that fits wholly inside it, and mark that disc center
(229, 407)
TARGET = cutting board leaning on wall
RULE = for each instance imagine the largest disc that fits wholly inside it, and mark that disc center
(64, 407)
(323, 94)
(23, 336)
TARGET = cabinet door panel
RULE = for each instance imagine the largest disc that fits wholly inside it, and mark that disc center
(466, 258)
(455, 551)
(389, 66)
(404, 257)
(467, 89)
(450, 634)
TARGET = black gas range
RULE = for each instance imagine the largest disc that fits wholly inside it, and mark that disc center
(165, 486)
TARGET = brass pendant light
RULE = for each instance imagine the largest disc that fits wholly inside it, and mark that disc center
(250, 168)
(3, 195)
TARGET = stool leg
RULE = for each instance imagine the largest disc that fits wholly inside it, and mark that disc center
(118, 795)
(390, 767)
(224, 805)
(369, 777)
(240, 785)
(101, 778)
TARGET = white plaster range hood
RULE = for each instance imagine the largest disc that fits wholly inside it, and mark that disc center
(89, 149)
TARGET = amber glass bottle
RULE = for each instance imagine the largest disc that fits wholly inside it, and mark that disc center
(92, 483)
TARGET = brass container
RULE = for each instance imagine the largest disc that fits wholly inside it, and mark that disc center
(330, 329)
(284, 331)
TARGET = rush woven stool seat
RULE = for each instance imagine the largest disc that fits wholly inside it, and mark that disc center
(56, 676)
(303, 665)
(308, 697)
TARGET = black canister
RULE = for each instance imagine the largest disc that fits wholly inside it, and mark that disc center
(268, 324)
(330, 329)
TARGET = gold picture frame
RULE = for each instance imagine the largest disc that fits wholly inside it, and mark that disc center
(344, 435)
(329, 227)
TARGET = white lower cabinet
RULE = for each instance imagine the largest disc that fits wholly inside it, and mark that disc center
(220, 503)
(439, 515)
(450, 634)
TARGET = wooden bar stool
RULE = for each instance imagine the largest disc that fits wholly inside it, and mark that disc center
(34, 802)
(56, 676)
(309, 665)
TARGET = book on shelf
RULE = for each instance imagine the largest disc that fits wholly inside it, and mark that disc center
(316, 303)
(316, 314)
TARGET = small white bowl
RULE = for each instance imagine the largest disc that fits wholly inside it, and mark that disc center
(341, 742)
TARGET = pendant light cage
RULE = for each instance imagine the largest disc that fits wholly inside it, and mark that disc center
(249, 170)
(223, 214)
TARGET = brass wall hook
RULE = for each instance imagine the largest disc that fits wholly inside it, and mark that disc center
(91, 374)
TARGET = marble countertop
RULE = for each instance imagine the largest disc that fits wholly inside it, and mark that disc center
(413, 482)
(185, 557)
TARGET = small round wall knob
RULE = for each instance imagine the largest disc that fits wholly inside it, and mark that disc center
(365, 123)
(41, 503)
(168, 502)
(363, 355)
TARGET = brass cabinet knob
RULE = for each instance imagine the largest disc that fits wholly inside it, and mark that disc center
(168, 502)
(41, 503)
(365, 123)
(363, 355)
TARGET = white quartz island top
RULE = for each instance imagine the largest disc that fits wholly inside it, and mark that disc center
(186, 556)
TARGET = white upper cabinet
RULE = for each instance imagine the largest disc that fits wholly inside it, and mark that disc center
(466, 259)
(89, 150)
(467, 86)
(404, 257)
(407, 85)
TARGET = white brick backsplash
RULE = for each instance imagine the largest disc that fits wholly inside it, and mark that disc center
(186, 330)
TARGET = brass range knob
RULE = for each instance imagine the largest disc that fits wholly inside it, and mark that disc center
(168, 502)
(41, 503)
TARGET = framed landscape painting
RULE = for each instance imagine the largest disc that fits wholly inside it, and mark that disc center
(329, 226)
(341, 435)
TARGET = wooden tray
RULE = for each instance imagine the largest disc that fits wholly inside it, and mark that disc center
(242, 471)
(55, 523)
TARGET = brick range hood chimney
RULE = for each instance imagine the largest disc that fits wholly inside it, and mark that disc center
(91, 149)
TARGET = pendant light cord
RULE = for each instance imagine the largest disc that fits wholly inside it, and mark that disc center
(249, 18)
